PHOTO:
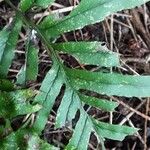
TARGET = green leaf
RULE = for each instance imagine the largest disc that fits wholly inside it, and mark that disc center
(103, 130)
(44, 3)
(29, 72)
(71, 102)
(8, 48)
(49, 20)
(31, 62)
(26, 4)
(110, 83)
(98, 103)
(68, 107)
(49, 90)
(25, 140)
(81, 136)
(114, 132)
(89, 12)
(92, 53)
(21, 76)
(17, 103)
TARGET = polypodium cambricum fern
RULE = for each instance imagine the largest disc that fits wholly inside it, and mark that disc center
(93, 53)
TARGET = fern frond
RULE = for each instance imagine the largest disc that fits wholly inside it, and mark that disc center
(74, 80)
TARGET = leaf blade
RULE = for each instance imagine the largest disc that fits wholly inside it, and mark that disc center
(68, 108)
(80, 139)
(89, 12)
(29, 71)
(31, 62)
(98, 103)
(8, 54)
(48, 93)
(110, 83)
(92, 53)
(25, 5)
(114, 132)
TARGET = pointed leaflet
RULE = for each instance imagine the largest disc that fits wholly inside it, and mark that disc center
(98, 103)
(114, 132)
(31, 62)
(81, 135)
(25, 140)
(92, 53)
(49, 90)
(89, 12)
(9, 47)
(110, 84)
(29, 72)
(17, 103)
(68, 107)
